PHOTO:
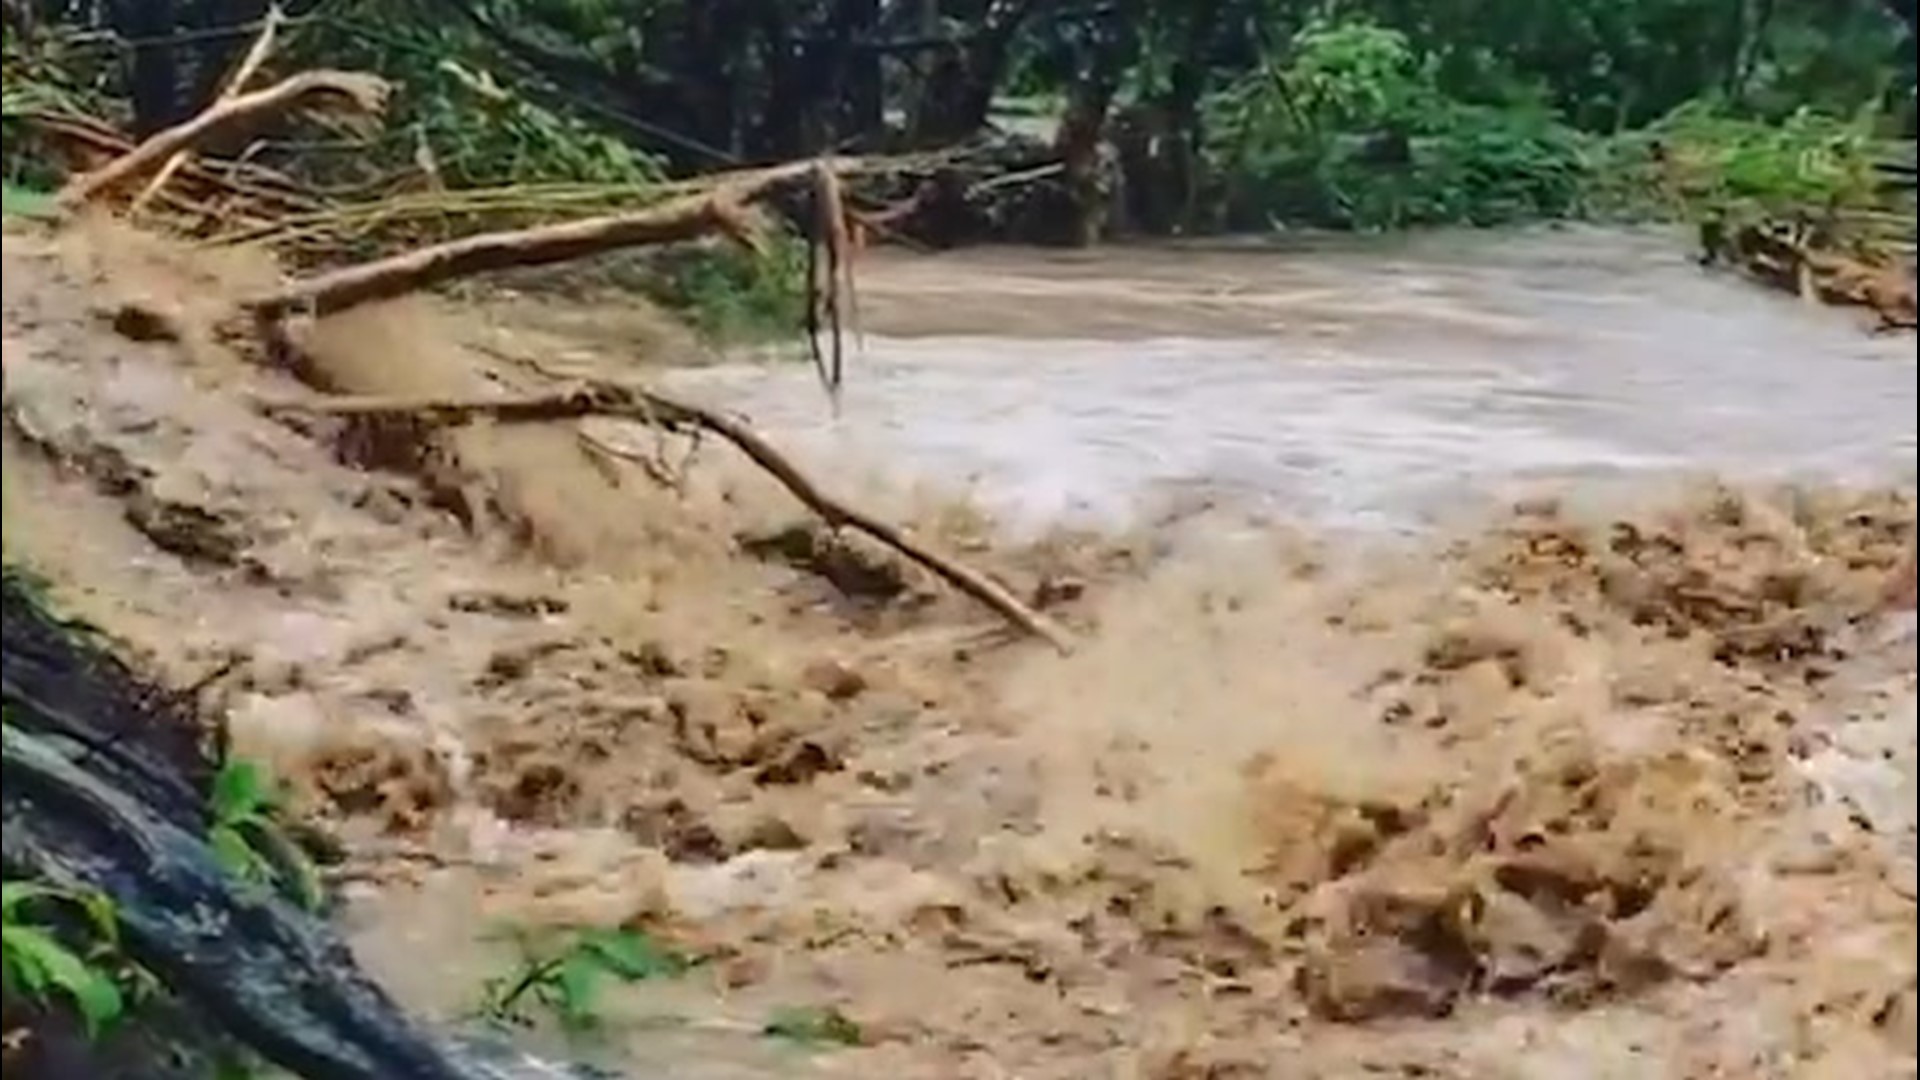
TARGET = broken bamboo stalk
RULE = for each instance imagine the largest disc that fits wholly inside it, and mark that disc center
(652, 407)
(358, 91)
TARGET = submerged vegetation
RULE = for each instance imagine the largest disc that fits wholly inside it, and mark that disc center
(565, 978)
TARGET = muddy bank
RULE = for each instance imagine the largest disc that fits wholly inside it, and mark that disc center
(1618, 790)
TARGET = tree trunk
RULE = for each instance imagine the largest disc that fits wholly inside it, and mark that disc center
(154, 75)
(866, 119)
(1082, 134)
(956, 96)
(1188, 86)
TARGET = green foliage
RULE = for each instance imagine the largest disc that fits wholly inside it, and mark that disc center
(1704, 163)
(1355, 76)
(1810, 163)
(1503, 106)
(1614, 65)
(249, 842)
(1301, 144)
(1480, 166)
(19, 201)
(565, 979)
(732, 295)
(36, 964)
(477, 130)
(481, 133)
(1314, 142)
(59, 71)
(813, 1025)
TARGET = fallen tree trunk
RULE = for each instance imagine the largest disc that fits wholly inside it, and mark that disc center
(721, 208)
(653, 407)
(359, 92)
(336, 291)
(119, 817)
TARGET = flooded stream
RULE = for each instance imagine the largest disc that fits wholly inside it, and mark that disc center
(1236, 827)
(1367, 383)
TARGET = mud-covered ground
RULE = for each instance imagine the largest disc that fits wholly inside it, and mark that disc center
(1576, 794)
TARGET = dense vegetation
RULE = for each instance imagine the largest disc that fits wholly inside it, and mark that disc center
(1224, 113)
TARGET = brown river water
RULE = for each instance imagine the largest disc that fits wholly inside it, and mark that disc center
(1616, 794)
(1344, 382)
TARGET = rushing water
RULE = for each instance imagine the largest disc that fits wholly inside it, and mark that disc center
(1358, 383)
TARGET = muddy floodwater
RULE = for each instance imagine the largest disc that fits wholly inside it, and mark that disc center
(1341, 381)
(1523, 793)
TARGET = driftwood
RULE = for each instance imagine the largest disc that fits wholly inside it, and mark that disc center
(1795, 258)
(93, 800)
(653, 407)
(357, 91)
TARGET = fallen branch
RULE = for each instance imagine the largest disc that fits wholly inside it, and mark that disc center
(655, 408)
(722, 210)
(249, 181)
(359, 92)
(249, 67)
(338, 290)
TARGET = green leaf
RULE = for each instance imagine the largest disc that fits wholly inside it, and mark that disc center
(578, 982)
(631, 954)
(240, 790)
(237, 856)
(50, 965)
(104, 916)
(21, 202)
(15, 894)
(24, 969)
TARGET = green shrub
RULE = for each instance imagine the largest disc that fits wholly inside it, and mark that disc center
(1303, 143)
(38, 965)
(732, 295)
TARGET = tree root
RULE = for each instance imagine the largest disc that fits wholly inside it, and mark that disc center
(655, 408)
(358, 92)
